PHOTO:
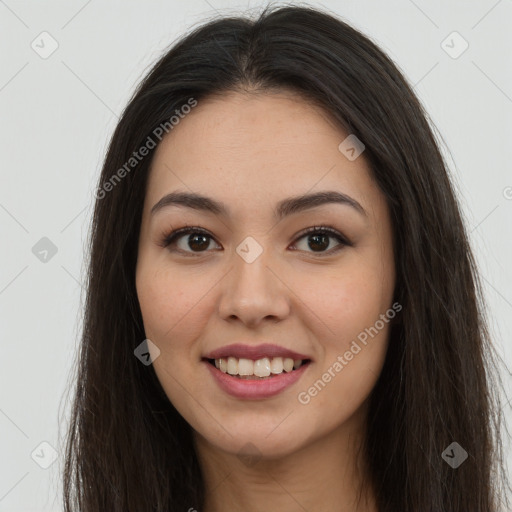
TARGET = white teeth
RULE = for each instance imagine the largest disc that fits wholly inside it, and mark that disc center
(232, 365)
(276, 365)
(260, 368)
(288, 364)
(245, 367)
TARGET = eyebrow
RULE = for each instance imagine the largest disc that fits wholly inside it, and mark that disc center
(284, 208)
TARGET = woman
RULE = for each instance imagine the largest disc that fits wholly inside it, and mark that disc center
(283, 310)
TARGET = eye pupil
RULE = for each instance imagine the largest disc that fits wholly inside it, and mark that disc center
(316, 238)
(196, 236)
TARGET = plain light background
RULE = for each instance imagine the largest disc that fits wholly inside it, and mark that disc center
(58, 113)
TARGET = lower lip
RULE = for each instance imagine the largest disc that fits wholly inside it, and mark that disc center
(252, 389)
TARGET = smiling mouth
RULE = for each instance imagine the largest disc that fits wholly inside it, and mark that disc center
(266, 368)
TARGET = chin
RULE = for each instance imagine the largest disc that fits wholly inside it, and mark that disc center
(258, 444)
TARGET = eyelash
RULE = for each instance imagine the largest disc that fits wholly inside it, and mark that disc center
(170, 238)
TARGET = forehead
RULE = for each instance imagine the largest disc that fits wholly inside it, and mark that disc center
(251, 122)
(256, 146)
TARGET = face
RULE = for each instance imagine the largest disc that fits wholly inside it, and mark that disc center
(246, 275)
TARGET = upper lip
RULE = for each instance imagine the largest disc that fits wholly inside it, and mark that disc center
(254, 352)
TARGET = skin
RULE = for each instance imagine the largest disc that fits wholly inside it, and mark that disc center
(250, 151)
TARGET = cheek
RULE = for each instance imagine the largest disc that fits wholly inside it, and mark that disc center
(175, 309)
(172, 314)
(354, 348)
(350, 366)
(164, 300)
(347, 301)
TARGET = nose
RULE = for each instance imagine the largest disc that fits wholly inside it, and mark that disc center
(252, 292)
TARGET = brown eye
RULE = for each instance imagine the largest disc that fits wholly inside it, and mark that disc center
(198, 240)
(319, 239)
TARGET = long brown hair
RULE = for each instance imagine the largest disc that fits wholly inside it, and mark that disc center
(128, 449)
